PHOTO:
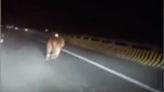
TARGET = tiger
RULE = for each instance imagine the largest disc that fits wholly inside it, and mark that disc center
(54, 46)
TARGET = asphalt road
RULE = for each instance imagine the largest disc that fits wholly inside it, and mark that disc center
(24, 69)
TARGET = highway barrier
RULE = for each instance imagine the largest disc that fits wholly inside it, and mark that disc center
(144, 55)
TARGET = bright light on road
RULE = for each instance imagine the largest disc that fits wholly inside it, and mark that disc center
(9, 26)
(26, 29)
(16, 28)
(1, 40)
(46, 30)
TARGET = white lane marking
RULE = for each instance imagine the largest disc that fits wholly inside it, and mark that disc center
(110, 71)
(113, 72)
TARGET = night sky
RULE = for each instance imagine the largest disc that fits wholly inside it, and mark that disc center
(139, 21)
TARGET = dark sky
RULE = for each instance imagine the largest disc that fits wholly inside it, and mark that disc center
(132, 20)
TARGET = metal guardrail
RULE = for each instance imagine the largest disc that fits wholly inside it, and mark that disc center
(139, 53)
(135, 44)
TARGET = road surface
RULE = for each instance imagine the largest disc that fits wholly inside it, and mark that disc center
(24, 69)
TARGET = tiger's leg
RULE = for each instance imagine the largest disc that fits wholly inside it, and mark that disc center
(56, 53)
(49, 51)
